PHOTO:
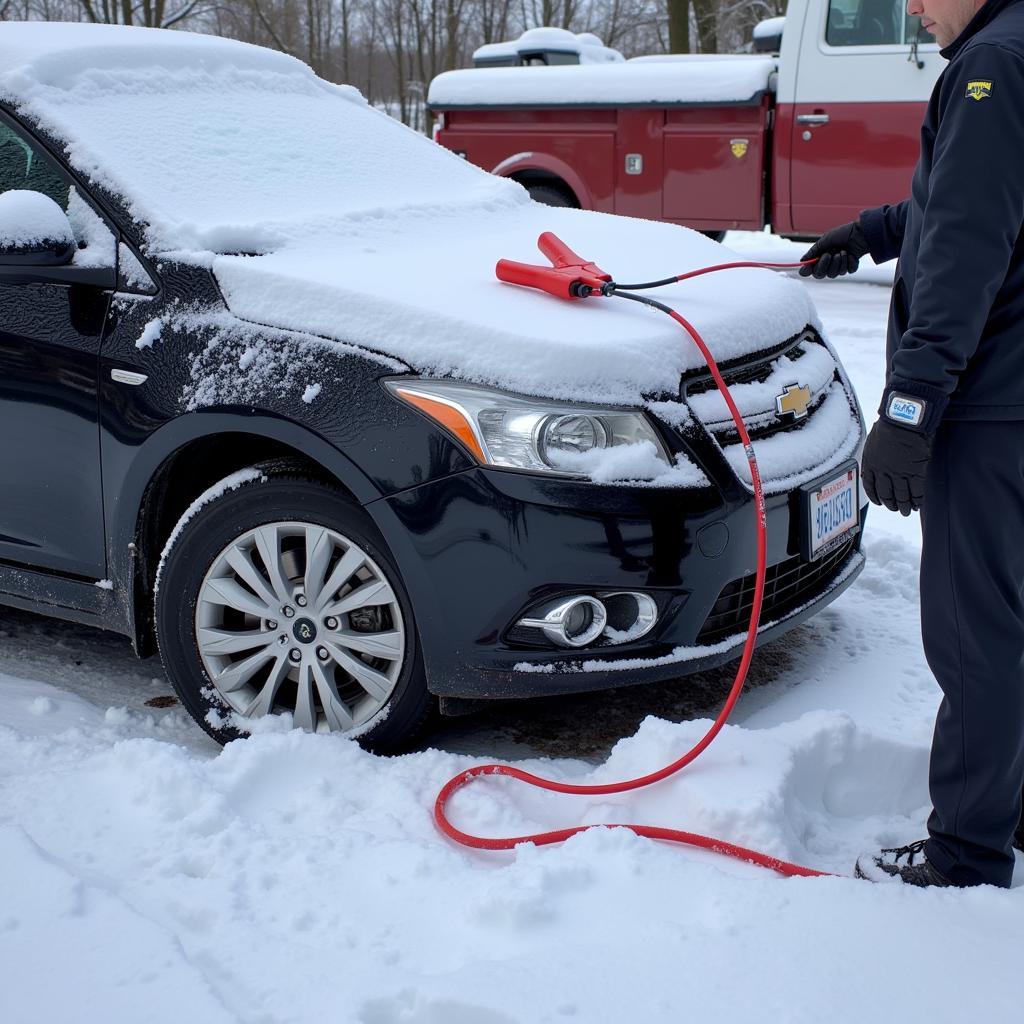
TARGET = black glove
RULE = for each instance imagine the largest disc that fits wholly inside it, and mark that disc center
(893, 466)
(837, 251)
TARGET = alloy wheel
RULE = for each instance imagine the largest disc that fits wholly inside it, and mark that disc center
(296, 617)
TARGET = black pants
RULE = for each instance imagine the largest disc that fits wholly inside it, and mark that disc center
(972, 623)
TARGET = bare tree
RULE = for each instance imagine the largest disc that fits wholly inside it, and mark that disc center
(737, 18)
(559, 13)
(705, 14)
(493, 19)
(679, 26)
(151, 13)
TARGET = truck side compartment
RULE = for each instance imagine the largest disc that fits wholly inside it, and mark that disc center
(715, 164)
(701, 165)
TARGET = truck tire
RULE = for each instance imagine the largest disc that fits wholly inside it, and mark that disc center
(715, 236)
(276, 593)
(550, 195)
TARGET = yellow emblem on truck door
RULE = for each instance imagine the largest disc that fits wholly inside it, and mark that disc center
(979, 90)
(739, 147)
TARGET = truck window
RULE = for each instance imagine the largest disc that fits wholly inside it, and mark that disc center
(549, 58)
(872, 23)
(22, 167)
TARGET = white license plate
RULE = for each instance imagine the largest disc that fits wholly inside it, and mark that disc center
(833, 510)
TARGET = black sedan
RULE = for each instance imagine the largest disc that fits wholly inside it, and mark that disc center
(265, 409)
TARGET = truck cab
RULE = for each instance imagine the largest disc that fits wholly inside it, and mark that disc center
(799, 141)
(854, 80)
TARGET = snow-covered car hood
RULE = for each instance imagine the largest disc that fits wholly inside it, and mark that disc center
(420, 287)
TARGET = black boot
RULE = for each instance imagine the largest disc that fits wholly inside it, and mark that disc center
(904, 863)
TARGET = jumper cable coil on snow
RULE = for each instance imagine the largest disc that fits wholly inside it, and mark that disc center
(572, 277)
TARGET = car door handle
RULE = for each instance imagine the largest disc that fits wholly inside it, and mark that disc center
(812, 118)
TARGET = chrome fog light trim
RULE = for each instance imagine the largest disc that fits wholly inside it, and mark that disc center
(571, 621)
(631, 615)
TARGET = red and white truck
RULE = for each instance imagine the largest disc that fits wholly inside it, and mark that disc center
(800, 141)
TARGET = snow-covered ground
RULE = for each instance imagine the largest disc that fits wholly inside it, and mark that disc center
(145, 875)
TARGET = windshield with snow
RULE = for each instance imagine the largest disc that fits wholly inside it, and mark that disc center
(237, 160)
(23, 167)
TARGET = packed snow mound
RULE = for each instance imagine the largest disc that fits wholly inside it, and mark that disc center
(219, 146)
(191, 869)
(420, 287)
(737, 80)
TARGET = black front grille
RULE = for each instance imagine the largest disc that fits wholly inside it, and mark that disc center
(746, 373)
(726, 436)
(758, 371)
(787, 586)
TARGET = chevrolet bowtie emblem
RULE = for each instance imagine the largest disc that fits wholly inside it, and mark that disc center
(793, 401)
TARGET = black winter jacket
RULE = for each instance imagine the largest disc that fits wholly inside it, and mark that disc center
(956, 323)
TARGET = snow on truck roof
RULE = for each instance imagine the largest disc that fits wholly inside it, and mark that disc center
(738, 79)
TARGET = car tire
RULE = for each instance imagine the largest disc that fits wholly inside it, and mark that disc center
(213, 609)
(715, 236)
(549, 195)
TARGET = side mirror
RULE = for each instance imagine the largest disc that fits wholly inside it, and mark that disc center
(34, 231)
(768, 35)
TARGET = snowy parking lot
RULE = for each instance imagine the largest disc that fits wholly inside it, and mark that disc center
(150, 876)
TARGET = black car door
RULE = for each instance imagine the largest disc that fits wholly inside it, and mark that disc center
(51, 509)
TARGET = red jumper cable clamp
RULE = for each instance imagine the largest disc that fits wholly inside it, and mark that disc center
(569, 277)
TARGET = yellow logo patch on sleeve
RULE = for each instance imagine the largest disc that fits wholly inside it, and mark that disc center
(978, 90)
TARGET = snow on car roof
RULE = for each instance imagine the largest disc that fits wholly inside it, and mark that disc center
(214, 145)
(55, 53)
(738, 80)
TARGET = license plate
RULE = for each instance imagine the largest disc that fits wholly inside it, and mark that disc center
(831, 511)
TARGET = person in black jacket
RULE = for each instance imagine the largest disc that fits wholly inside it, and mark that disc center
(949, 440)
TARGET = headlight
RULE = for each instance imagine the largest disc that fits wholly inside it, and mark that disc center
(525, 433)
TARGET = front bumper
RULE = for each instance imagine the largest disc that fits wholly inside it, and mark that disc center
(477, 549)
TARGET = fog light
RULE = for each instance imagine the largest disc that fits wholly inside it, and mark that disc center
(579, 619)
(571, 621)
(631, 615)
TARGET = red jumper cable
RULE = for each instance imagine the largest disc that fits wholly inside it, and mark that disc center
(572, 277)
